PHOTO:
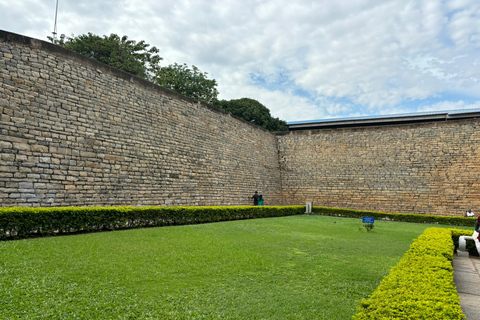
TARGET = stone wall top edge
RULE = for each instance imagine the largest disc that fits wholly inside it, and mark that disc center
(58, 50)
(33, 43)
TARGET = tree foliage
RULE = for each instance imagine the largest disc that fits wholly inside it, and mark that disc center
(142, 61)
(190, 82)
(122, 53)
(253, 111)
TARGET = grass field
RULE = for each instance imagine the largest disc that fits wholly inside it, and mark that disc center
(298, 267)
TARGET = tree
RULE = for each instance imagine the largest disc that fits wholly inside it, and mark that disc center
(144, 62)
(190, 82)
(124, 54)
(253, 111)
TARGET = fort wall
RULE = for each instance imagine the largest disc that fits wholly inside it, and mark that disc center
(430, 168)
(76, 132)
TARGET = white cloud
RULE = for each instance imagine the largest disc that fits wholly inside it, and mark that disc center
(450, 105)
(354, 57)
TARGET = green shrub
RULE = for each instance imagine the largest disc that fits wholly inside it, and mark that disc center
(418, 218)
(18, 223)
(420, 286)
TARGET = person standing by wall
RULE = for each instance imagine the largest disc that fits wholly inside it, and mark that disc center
(260, 200)
(255, 198)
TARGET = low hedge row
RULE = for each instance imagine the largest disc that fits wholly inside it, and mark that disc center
(419, 218)
(19, 223)
(420, 286)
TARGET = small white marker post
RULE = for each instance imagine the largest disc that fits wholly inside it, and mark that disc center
(308, 208)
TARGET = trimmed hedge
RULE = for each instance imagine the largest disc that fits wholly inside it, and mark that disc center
(19, 223)
(420, 286)
(418, 218)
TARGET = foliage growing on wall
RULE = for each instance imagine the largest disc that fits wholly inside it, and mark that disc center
(122, 53)
(253, 111)
(190, 82)
(142, 61)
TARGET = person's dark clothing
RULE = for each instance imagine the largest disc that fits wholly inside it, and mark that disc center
(255, 199)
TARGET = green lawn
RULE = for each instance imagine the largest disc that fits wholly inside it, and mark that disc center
(298, 267)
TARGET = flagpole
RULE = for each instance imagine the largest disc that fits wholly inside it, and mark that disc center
(55, 25)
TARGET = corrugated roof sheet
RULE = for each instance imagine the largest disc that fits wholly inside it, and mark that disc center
(387, 119)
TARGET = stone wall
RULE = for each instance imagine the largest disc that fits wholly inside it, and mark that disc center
(430, 168)
(75, 132)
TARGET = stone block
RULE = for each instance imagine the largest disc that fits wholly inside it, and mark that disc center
(21, 146)
(39, 148)
(25, 185)
(23, 191)
(5, 145)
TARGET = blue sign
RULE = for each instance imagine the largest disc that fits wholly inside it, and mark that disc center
(368, 219)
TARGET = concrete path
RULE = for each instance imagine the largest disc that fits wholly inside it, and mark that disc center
(467, 280)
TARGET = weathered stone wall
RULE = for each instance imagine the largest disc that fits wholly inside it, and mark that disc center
(75, 132)
(430, 168)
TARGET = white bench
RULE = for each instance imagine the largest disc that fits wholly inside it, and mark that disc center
(462, 245)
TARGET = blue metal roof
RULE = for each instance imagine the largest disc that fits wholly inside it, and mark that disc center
(447, 113)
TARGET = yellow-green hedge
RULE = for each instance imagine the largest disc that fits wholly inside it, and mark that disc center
(420, 286)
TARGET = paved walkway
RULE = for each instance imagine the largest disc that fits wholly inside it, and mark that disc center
(467, 279)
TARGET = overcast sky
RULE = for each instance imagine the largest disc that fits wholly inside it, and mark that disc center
(303, 60)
